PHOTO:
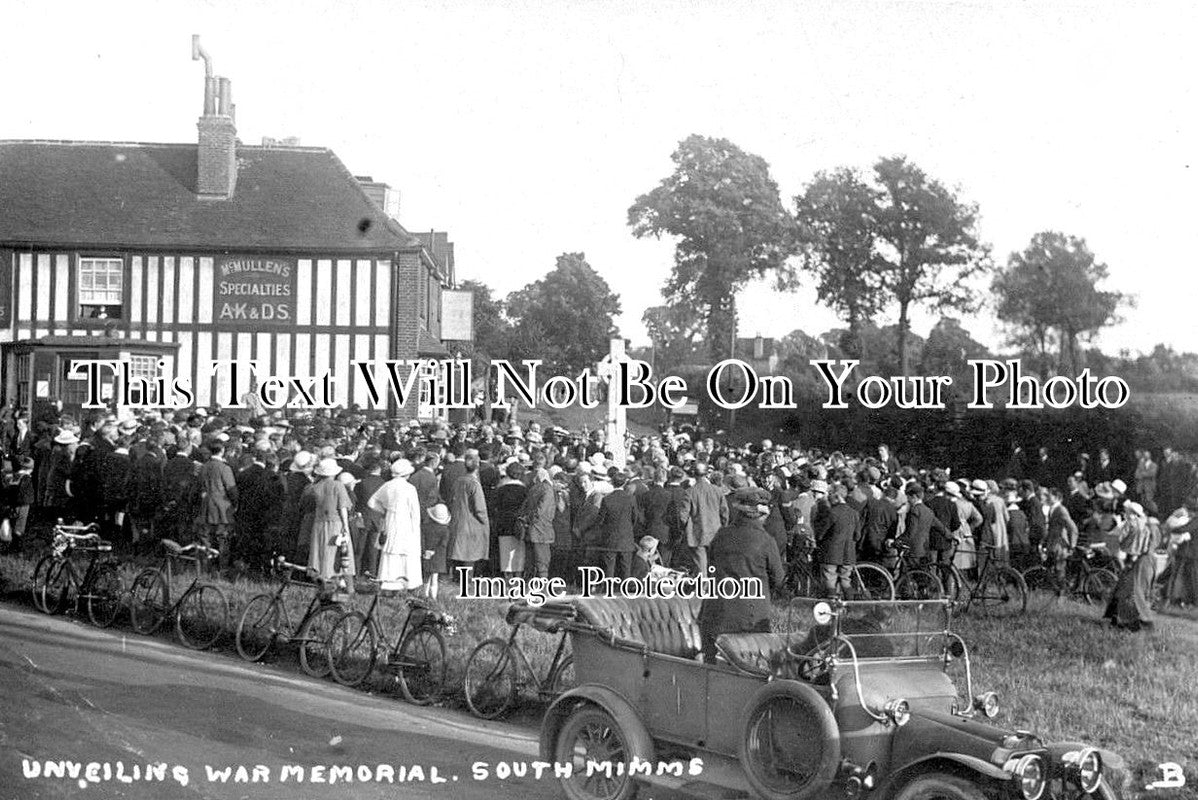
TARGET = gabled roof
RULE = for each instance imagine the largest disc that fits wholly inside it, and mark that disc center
(122, 195)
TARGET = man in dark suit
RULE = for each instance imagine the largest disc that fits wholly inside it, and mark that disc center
(655, 508)
(879, 522)
(677, 519)
(742, 550)
(619, 519)
(922, 526)
(1029, 503)
(945, 509)
(259, 511)
(837, 534)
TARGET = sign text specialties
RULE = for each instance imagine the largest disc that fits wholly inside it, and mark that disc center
(258, 290)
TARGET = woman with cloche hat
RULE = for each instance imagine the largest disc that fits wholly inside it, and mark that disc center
(1130, 605)
(400, 548)
(330, 505)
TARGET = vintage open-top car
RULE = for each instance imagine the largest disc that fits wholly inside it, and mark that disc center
(853, 699)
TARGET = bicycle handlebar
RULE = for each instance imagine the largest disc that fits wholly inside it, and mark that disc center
(173, 548)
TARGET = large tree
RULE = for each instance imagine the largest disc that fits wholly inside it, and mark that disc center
(928, 239)
(568, 315)
(725, 212)
(672, 329)
(837, 214)
(1049, 295)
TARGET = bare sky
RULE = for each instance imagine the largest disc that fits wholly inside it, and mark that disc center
(526, 129)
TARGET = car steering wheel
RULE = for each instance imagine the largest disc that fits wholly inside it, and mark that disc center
(812, 665)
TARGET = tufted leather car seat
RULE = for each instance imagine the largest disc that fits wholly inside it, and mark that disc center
(662, 625)
(757, 653)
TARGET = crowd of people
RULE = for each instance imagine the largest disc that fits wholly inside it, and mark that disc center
(352, 494)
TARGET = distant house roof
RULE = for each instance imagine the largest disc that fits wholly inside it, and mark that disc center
(122, 195)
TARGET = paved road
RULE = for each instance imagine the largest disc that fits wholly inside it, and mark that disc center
(71, 692)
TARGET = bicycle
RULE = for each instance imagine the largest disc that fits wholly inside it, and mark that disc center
(1083, 580)
(498, 668)
(911, 581)
(265, 621)
(999, 590)
(869, 581)
(55, 576)
(201, 613)
(417, 657)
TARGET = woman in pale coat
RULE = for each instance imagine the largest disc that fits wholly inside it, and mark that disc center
(469, 525)
(966, 557)
(399, 554)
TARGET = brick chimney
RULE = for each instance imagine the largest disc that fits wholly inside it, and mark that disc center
(216, 162)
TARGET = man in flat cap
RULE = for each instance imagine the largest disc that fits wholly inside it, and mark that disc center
(739, 550)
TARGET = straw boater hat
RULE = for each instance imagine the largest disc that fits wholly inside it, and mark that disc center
(439, 514)
(67, 437)
(1105, 491)
(302, 461)
(328, 467)
(1132, 507)
(401, 468)
(1119, 486)
(979, 486)
(952, 488)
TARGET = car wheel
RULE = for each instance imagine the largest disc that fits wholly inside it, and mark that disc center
(940, 786)
(790, 743)
(591, 734)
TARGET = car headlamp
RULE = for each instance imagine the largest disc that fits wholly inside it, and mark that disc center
(1087, 767)
(987, 703)
(1029, 771)
(899, 712)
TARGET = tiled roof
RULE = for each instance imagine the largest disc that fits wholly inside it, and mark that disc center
(123, 195)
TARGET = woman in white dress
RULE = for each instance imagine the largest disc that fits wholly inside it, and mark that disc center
(399, 553)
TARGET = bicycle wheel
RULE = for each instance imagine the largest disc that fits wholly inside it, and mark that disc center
(351, 649)
(258, 627)
(104, 595)
(563, 679)
(955, 587)
(871, 582)
(801, 582)
(492, 679)
(918, 584)
(1098, 586)
(1003, 593)
(422, 678)
(58, 587)
(313, 637)
(149, 601)
(40, 572)
(202, 616)
(1043, 586)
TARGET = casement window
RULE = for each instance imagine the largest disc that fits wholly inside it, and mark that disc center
(143, 367)
(101, 288)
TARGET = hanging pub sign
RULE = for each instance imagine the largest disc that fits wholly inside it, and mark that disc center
(5, 297)
(258, 290)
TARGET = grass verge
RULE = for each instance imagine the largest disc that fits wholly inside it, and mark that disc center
(1060, 671)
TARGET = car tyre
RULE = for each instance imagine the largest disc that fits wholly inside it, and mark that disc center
(774, 715)
(600, 738)
(940, 786)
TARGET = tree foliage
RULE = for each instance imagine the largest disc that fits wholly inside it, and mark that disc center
(672, 329)
(837, 214)
(948, 350)
(566, 318)
(1049, 296)
(928, 240)
(724, 209)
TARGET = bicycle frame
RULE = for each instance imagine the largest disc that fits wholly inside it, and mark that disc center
(541, 682)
